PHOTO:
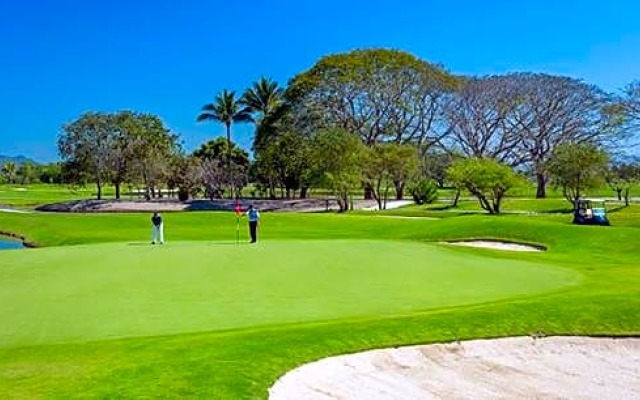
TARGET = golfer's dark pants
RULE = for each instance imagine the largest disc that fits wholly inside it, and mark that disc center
(253, 228)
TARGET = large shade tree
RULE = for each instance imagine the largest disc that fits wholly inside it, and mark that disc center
(378, 94)
(338, 158)
(152, 146)
(386, 163)
(285, 162)
(476, 116)
(576, 168)
(622, 176)
(632, 103)
(221, 173)
(87, 143)
(553, 110)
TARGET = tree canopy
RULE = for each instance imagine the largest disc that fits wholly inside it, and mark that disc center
(338, 157)
(577, 167)
(486, 179)
(378, 94)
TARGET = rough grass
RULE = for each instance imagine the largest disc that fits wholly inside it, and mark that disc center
(244, 362)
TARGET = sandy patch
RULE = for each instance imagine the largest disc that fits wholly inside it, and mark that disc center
(495, 245)
(522, 367)
(391, 204)
(13, 210)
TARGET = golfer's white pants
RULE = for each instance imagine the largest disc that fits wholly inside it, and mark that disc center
(157, 233)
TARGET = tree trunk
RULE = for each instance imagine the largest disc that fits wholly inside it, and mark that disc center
(456, 198)
(619, 191)
(496, 205)
(368, 192)
(99, 186)
(343, 203)
(484, 203)
(626, 197)
(303, 192)
(288, 193)
(379, 201)
(399, 189)
(541, 192)
(117, 185)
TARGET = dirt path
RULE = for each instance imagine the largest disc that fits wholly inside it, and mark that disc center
(522, 367)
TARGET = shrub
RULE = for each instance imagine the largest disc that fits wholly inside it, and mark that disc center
(425, 192)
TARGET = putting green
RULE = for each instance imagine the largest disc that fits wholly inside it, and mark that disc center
(93, 292)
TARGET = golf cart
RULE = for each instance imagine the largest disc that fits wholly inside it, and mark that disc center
(590, 212)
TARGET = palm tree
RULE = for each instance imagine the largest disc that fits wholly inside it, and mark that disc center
(227, 110)
(264, 98)
(9, 170)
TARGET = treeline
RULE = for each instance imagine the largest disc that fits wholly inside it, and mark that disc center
(27, 173)
(381, 120)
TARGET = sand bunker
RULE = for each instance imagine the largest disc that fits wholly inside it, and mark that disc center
(496, 245)
(522, 367)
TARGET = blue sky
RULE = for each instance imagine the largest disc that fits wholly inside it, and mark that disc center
(60, 58)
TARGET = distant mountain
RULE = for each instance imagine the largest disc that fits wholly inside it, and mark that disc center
(16, 159)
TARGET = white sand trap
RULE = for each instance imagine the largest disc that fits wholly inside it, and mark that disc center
(391, 204)
(13, 210)
(495, 245)
(512, 368)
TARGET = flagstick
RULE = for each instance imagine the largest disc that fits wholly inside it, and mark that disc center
(237, 210)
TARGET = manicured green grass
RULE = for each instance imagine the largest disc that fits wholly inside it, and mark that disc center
(24, 196)
(121, 290)
(166, 292)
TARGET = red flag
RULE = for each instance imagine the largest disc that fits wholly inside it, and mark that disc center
(238, 209)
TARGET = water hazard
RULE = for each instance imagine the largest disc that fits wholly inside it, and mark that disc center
(9, 244)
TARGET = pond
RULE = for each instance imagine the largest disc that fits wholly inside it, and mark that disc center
(7, 244)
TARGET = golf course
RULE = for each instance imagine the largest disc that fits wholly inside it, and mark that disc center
(319, 201)
(96, 311)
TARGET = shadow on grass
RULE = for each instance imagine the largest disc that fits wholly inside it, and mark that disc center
(230, 243)
(616, 209)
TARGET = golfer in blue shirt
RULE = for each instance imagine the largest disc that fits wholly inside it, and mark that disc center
(254, 219)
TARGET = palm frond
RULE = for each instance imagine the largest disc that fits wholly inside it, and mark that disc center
(242, 117)
(207, 117)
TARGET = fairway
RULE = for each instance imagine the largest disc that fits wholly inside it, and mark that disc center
(92, 292)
